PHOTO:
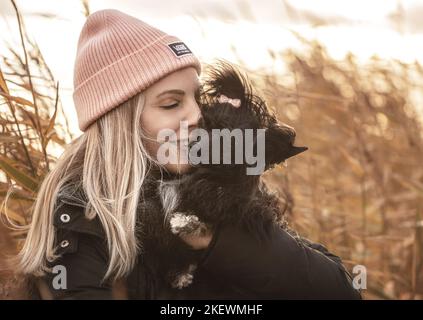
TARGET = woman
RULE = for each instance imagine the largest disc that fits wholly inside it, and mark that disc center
(132, 81)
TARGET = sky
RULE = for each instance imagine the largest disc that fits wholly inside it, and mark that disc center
(391, 29)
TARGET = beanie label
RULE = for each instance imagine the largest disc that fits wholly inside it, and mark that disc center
(179, 48)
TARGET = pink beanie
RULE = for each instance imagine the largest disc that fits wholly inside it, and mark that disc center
(119, 56)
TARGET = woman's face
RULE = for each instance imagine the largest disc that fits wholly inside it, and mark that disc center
(168, 102)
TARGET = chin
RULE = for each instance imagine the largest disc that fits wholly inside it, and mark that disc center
(179, 168)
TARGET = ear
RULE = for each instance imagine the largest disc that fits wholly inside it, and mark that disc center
(279, 146)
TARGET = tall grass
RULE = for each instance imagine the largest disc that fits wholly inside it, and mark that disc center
(359, 188)
(33, 127)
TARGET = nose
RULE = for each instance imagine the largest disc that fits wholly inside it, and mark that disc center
(193, 114)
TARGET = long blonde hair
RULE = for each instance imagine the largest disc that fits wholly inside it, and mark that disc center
(111, 163)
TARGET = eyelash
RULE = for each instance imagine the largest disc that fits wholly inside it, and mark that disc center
(170, 106)
(196, 95)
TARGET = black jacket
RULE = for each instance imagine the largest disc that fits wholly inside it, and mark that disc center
(235, 266)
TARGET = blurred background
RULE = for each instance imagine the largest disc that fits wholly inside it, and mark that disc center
(346, 75)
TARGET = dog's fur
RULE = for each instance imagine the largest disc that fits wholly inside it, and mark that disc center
(212, 194)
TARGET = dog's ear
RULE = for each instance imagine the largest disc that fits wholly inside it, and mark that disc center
(279, 144)
(225, 79)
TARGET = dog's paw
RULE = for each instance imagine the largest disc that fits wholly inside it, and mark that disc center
(182, 224)
(183, 280)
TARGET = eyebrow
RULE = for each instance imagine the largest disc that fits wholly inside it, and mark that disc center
(176, 91)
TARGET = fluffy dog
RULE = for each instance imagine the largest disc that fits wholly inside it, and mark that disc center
(215, 193)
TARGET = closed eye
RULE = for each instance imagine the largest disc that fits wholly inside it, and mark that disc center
(170, 106)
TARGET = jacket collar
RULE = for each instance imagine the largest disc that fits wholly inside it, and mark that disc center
(69, 212)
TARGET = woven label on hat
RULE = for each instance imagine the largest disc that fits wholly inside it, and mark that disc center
(179, 48)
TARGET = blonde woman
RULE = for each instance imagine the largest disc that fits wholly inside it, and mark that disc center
(131, 81)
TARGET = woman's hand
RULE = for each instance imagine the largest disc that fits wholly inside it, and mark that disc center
(198, 242)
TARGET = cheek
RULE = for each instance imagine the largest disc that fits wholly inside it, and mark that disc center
(152, 121)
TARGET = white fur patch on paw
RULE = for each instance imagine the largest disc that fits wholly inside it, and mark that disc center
(178, 221)
(183, 280)
(186, 224)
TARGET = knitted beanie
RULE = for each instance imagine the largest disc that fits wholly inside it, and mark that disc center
(119, 56)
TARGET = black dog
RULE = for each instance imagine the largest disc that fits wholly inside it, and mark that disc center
(211, 194)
